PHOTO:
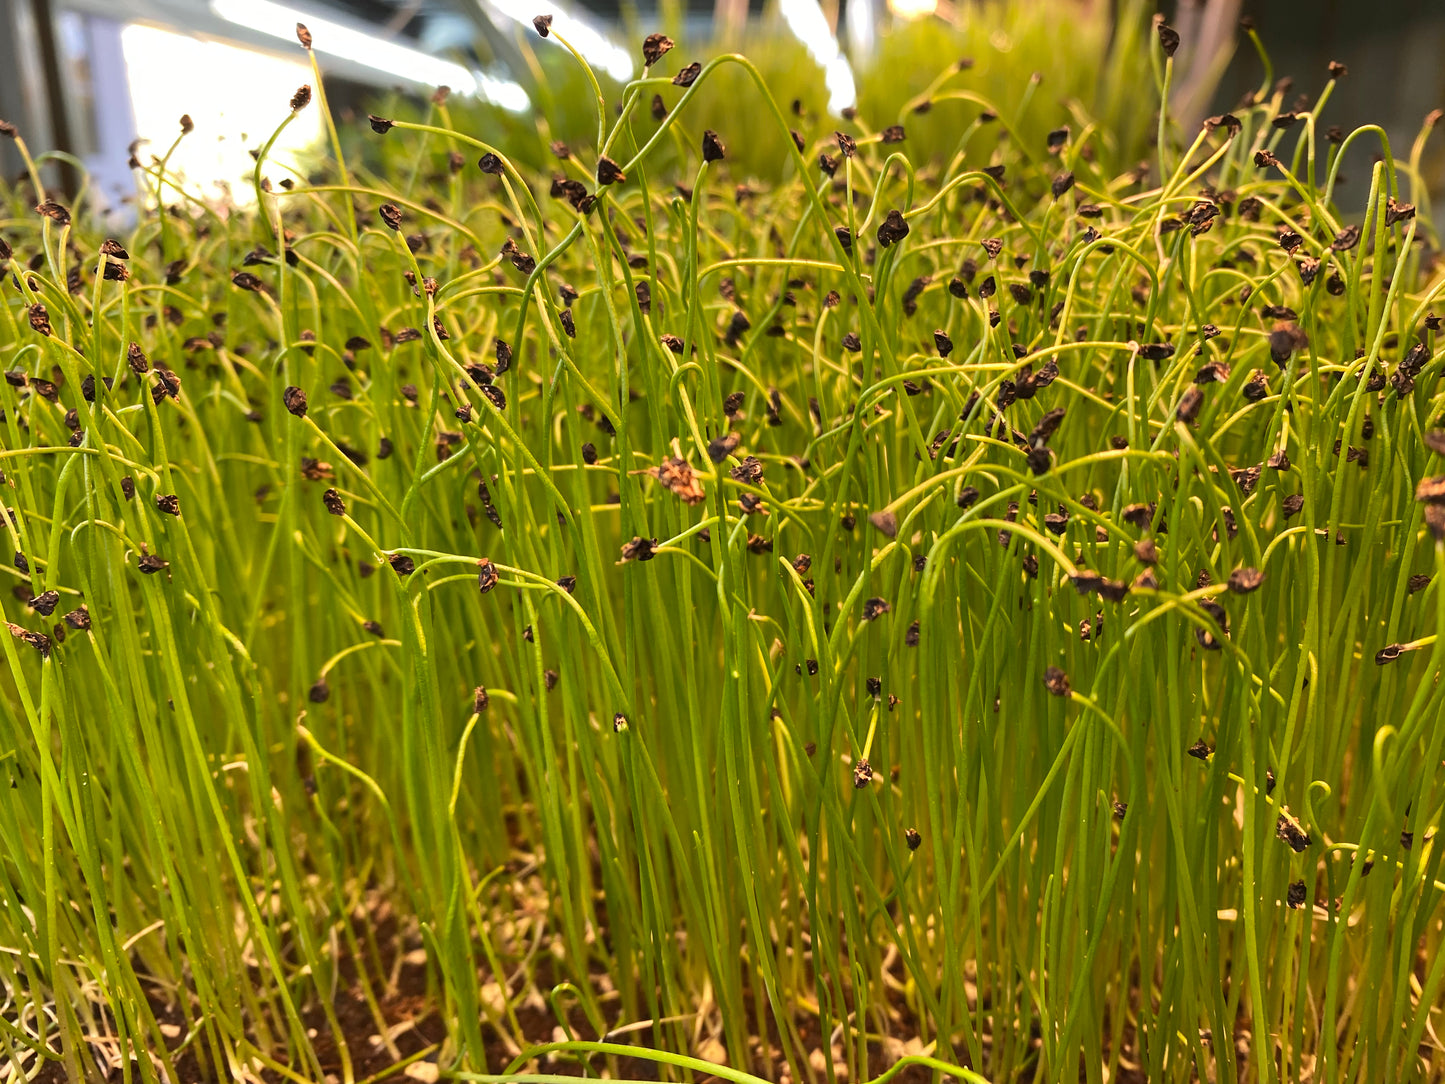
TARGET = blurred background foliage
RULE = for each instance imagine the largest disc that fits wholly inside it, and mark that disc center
(91, 76)
(1038, 65)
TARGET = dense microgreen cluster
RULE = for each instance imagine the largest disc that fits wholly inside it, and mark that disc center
(974, 613)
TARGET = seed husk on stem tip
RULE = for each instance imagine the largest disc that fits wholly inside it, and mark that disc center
(609, 172)
(486, 575)
(893, 228)
(654, 46)
(1168, 37)
(875, 608)
(294, 400)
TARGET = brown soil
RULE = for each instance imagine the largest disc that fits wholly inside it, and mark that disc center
(410, 1012)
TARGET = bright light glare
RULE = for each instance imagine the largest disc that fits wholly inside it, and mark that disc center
(399, 61)
(838, 78)
(912, 9)
(806, 20)
(599, 50)
(236, 97)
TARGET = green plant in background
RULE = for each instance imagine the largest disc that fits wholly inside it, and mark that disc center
(1046, 62)
(1040, 61)
(972, 614)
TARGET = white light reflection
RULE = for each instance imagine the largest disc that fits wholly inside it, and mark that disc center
(400, 61)
(806, 20)
(596, 47)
